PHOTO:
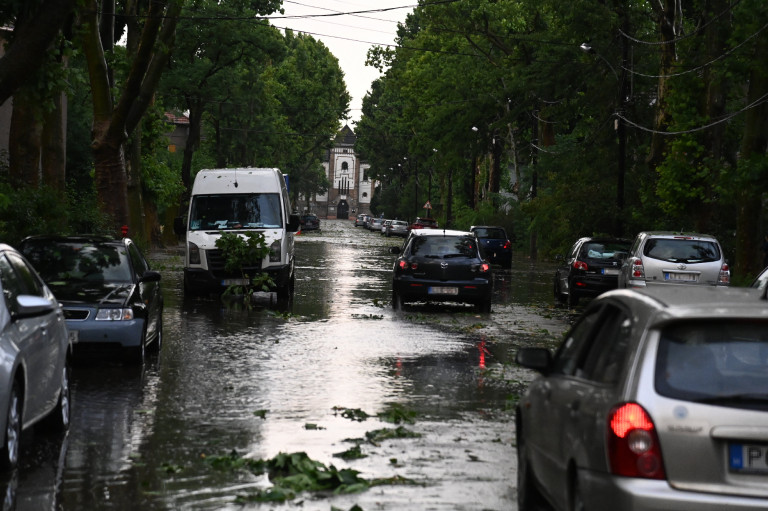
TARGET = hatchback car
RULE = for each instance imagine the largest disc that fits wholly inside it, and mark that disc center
(34, 355)
(655, 400)
(495, 244)
(423, 223)
(360, 220)
(444, 266)
(674, 258)
(384, 226)
(397, 228)
(310, 222)
(111, 298)
(590, 268)
(374, 224)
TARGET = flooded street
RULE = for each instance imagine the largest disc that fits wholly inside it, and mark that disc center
(233, 382)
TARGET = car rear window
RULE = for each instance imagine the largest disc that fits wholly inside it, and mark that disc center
(722, 362)
(491, 233)
(603, 250)
(444, 246)
(682, 250)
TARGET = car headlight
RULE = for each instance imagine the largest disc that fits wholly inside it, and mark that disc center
(114, 315)
(194, 254)
(275, 251)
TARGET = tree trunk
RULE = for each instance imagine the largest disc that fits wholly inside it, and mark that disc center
(24, 141)
(665, 18)
(753, 147)
(54, 143)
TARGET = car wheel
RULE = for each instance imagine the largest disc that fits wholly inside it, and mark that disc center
(484, 305)
(397, 301)
(285, 293)
(528, 496)
(9, 456)
(157, 345)
(576, 500)
(573, 298)
(137, 354)
(558, 292)
(59, 418)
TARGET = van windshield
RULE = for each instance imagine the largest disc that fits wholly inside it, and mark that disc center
(235, 211)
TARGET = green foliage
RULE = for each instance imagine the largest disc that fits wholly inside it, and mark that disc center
(397, 413)
(241, 251)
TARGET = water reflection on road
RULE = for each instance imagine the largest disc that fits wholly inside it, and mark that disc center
(262, 381)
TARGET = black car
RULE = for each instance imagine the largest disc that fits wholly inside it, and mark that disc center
(111, 298)
(590, 268)
(444, 266)
(310, 222)
(495, 244)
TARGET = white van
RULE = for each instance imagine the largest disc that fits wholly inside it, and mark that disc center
(239, 200)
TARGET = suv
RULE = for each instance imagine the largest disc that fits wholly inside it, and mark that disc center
(674, 258)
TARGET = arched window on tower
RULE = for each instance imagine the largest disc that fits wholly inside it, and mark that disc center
(344, 166)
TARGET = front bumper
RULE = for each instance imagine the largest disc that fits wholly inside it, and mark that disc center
(203, 280)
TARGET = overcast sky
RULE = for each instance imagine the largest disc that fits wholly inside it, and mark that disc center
(348, 36)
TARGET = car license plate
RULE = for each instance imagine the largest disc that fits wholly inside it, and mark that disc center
(74, 336)
(440, 290)
(235, 282)
(610, 271)
(684, 277)
(751, 458)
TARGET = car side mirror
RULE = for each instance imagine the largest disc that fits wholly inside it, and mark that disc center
(150, 276)
(178, 225)
(30, 306)
(394, 250)
(294, 222)
(538, 359)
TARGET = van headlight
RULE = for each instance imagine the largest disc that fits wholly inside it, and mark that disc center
(275, 251)
(194, 253)
(114, 315)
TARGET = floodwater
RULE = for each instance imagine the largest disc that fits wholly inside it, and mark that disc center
(257, 381)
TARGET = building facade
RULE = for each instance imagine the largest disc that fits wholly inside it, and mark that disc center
(351, 188)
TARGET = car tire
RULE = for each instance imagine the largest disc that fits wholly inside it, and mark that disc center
(9, 454)
(558, 292)
(137, 354)
(528, 496)
(157, 344)
(397, 301)
(573, 298)
(576, 501)
(59, 419)
(484, 305)
(285, 293)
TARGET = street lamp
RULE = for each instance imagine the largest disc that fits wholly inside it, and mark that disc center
(621, 131)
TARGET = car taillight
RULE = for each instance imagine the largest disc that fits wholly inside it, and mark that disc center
(403, 265)
(638, 271)
(507, 245)
(725, 274)
(632, 442)
(485, 268)
(580, 265)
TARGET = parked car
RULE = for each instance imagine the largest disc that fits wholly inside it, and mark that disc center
(653, 401)
(441, 265)
(761, 279)
(423, 223)
(375, 224)
(360, 220)
(112, 299)
(385, 226)
(495, 244)
(674, 258)
(397, 228)
(35, 356)
(310, 222)
(590, 268)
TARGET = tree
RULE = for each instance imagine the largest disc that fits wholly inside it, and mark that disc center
(114, 120)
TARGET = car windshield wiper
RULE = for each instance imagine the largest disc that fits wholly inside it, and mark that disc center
(451, 256)
(735, 399)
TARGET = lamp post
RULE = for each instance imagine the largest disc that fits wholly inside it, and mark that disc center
(621, 130)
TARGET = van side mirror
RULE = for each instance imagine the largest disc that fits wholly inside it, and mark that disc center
(294, 222)
(178, 225)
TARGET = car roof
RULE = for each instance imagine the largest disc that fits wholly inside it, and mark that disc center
(602, 239)
(677, 234)
(692, 302)
(79, 238)
(440, 232)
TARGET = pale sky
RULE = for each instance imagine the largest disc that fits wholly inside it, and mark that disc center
(348, 36)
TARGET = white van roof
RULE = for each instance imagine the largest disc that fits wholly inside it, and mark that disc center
(238, 180)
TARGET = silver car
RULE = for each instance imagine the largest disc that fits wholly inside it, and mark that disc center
(34, 355)
(655, 400)
(674, 258)
(397, 228)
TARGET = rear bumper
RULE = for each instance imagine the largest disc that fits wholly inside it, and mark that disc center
(603, 491)
(474, 291)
